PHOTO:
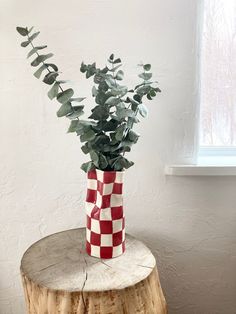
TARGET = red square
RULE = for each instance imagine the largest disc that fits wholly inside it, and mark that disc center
(88, 222)
(92, 174)
(106, 226)
(91, 196)
(95, 213)
(100, 187)
(106, 201)
(88, 248)
(116, 212)
(109, 176)
(106, 252)
(117, 238)
(117, 188)
(95, 238)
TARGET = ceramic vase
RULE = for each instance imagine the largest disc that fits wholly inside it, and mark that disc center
(105, 230)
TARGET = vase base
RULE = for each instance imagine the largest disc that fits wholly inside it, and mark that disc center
(106, 252)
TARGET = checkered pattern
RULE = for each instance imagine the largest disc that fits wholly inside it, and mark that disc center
(105, 232)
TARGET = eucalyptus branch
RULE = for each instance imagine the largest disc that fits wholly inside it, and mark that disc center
(106, 135)
(32, 45)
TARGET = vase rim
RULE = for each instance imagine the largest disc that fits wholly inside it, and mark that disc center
(109, 171)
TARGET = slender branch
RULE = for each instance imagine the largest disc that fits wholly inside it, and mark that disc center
(32, 45)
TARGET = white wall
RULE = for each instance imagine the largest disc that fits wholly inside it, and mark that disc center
(189, 223)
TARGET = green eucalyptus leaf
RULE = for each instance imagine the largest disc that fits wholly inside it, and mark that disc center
(77, 112)
(38, 73)
(101, 140)
(98, 78)
(147, 67)
(40, 59)
(64, 110)
(110, 81)
(122, 163)
(94, 91)
(22, 31)
(65, 96)
(120, 105)
(62, 81)
(101, 98)
(112, 101)
(117, 61)
(133, 136)
(78, 99)
(87, 166)
(73, 126)
(152, 93)
(103, 163)
(145, 76)
(25, 43)
(83, 68)
(120, 132)
(50, 78)
(35, 49)
(53, 66)
(30, 30)
(88, 136)
(84, 126)
(95, 158)
(143, 110)
(99, 113)
(120, 75)
(111, 125)
(86, 148)
(134, 104)
(143, 90)
(124, 113)
(137, 98)
(52, 93)
(119, 91)
(32, 37)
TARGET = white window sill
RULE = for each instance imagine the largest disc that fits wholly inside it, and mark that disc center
(200, 170)
(212, 161)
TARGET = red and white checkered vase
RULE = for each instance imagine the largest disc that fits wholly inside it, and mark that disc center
(105, 232)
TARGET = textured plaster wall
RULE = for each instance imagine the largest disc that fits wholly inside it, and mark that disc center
(189, 223)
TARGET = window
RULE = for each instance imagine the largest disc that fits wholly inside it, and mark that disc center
(218, 79)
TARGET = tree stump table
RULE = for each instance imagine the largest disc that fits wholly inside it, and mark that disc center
(59, 277)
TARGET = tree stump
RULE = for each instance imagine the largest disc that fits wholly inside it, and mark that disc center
(59, 277)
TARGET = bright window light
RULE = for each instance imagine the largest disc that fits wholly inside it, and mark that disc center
(218, 79)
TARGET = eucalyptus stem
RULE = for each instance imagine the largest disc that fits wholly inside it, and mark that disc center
(32, 45)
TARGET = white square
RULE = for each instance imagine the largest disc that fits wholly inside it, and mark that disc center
(105, 214)
(106, 240)
(117, 250)
(117, 225)
(92, 184)
(95, 226)
(123, 235)
(99, 200)
(119, 177)
(88, 235)
(116, 200)
(100, 175)
(95, 250)
(107, 189)
(89, 207)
